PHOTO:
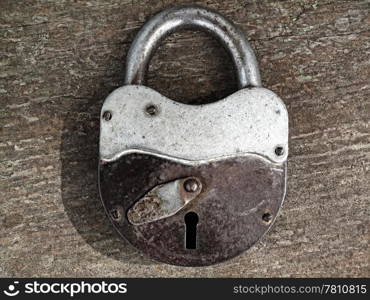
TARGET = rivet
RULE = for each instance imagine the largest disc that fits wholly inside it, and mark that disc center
(151, 110)
(267, 217)
(117, 213)
(191, 185)
(279, 150)
(107, 115)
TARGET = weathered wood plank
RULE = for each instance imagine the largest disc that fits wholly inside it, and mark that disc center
(60, 59)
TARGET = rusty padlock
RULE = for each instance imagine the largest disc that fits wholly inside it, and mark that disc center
(192, 185)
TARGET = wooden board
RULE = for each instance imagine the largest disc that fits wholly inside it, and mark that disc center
(60, 59)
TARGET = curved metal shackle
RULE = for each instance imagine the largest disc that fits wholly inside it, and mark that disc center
(190, 16)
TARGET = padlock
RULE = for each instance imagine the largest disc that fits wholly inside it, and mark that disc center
(192, 185)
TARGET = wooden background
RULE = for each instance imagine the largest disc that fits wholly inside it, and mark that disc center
(60, 59)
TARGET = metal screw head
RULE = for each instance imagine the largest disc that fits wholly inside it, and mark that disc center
(191, 185)
(117, 213)
(151, 110)
(107, 115)
(267, 217)
(279, 150)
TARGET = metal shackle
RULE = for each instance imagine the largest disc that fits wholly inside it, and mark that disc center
(189, 17)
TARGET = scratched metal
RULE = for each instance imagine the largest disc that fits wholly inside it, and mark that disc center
(162, 201)
(252, 120)
(237, 148)
(236, 194)
(192, 16)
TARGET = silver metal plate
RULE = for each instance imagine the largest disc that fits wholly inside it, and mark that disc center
(251, 120)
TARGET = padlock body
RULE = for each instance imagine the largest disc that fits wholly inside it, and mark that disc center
(228, 145)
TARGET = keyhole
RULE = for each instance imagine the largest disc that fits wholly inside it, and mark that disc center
(191, 221)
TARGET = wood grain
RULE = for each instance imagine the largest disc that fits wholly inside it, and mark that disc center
(60, 59)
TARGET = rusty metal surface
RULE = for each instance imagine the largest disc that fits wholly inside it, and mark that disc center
(234, 206)
(164, 200)
(235, 150)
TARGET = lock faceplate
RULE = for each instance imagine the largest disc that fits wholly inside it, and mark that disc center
(252, 120)
(150, 145)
